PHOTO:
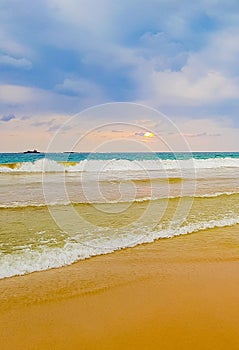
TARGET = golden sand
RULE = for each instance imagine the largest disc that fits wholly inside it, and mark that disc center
(180, 293)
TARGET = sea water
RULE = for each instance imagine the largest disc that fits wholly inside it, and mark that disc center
(58, 208)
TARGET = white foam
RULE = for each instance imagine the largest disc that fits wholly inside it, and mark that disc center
(27, 204)
(28, 261)
(47, 165)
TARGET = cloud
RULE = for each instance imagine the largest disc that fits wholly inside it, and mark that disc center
(7, 118)
(196, 135)
(10, 45)
(25, 117)
(6, 60)
(51, 125)
(35, 101)
(43, 123)
(181, 88)
(80, 87)
(139, 133)
(163, 52)
(181, 57)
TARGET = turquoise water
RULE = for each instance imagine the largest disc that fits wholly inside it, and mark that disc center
(77, 157)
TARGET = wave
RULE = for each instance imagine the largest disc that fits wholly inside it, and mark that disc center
(19, 205)
(30, 261)
(47, 165)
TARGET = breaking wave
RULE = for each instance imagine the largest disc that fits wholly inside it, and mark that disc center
(113, 165)
(26, 204)
(29, 261)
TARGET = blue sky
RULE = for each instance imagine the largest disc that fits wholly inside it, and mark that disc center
(58, 57)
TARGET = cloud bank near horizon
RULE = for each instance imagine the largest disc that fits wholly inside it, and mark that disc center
(59, 57)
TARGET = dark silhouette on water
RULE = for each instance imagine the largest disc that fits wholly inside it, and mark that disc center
(34, 151)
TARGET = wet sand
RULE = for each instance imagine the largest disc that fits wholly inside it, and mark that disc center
(180, 293)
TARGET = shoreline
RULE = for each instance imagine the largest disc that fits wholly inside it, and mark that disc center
(173, 293)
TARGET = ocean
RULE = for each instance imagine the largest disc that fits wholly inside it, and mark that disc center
(56, 209)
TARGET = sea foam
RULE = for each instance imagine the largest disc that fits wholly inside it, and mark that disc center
(29, 261)
(113, 165)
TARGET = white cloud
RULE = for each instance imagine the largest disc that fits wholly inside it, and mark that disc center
(39, 101)
(220, 54)
(141, 45)
(210, 75)
(6, 60)
(11, 46)
(80, 87)
(82, 13)
(180, 88)
(81, 25)
(16, 94)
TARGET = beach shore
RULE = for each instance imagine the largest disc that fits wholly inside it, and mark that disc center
(180, 293)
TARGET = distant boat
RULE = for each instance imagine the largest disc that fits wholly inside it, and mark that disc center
(34, 151)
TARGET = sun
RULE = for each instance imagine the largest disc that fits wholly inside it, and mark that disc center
(148, 134)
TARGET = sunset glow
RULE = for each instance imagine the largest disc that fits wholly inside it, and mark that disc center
(148, 134)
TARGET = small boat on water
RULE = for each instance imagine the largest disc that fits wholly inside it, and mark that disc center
(34, 151)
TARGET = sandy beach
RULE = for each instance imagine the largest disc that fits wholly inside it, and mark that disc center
(179, 293)
(119, 175)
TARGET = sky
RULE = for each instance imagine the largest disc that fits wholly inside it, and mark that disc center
(165, 65)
